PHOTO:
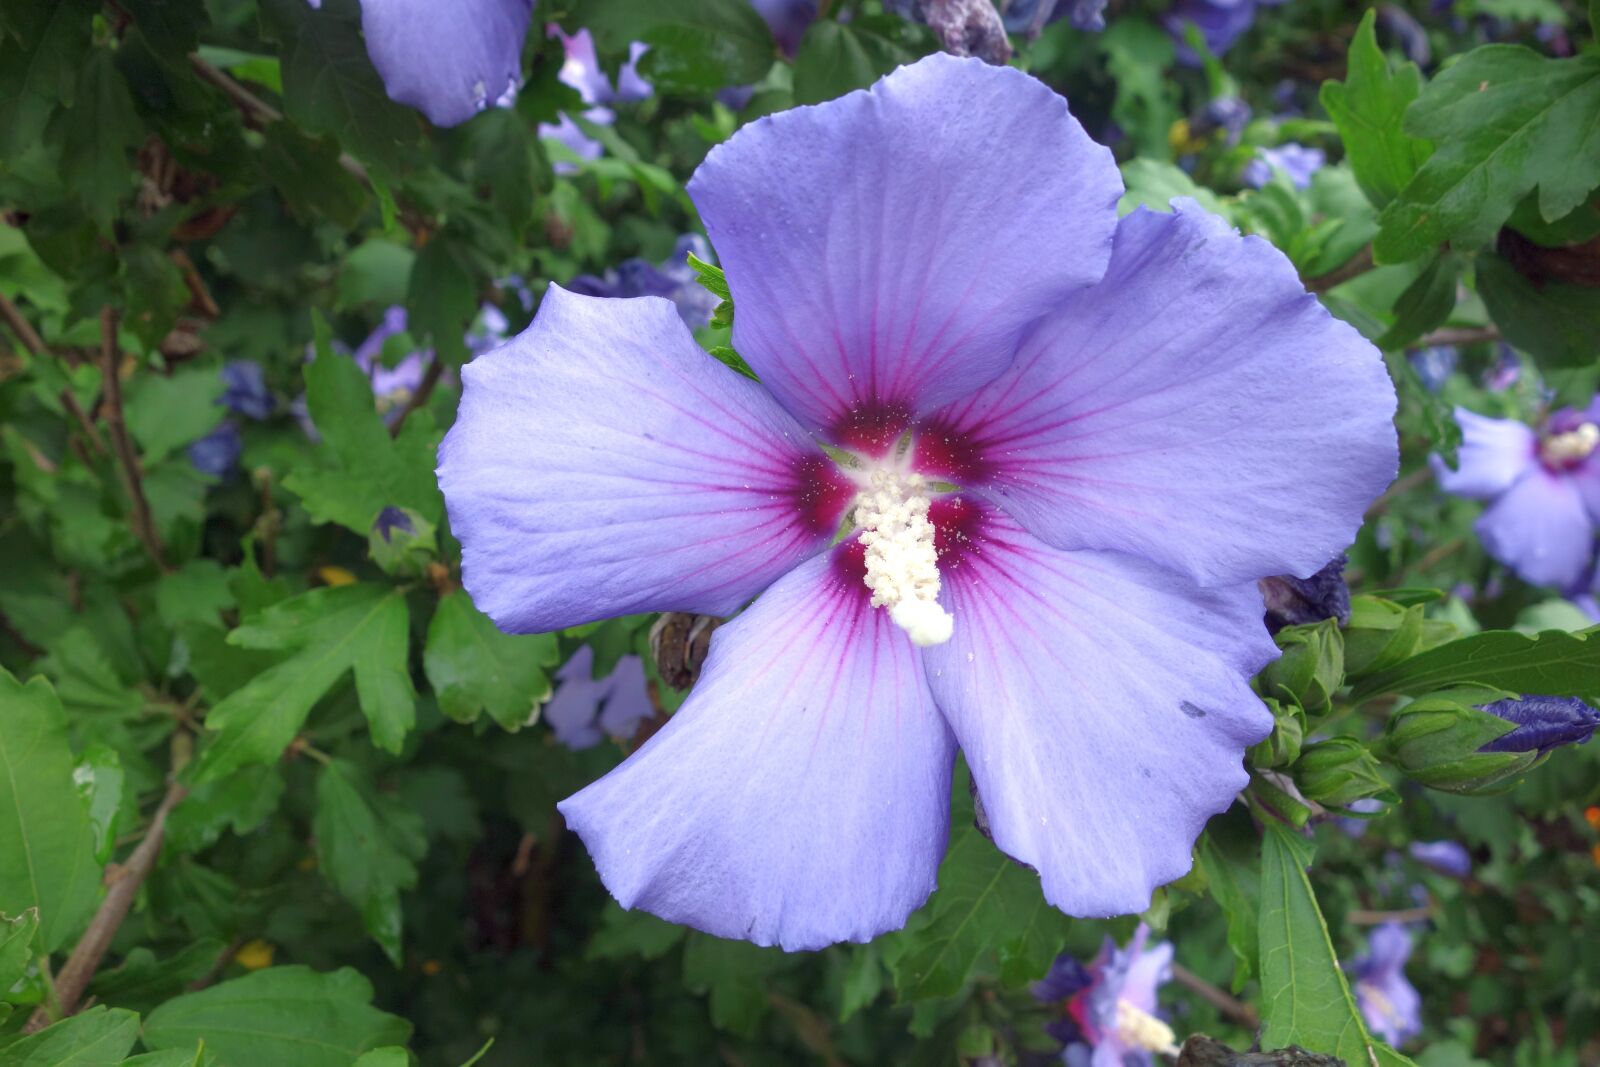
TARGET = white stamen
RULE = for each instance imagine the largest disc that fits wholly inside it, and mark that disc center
(1139, 1028)
(1572, 446)
(902, 565)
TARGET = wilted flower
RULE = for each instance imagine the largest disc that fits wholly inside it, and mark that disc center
(450, 61)
(1544, 489)
(673, 279)
(585, 710)
(1295, 161)
(1542, 723)
(1292, 601)
(1111, 1004)
(1446, 857)
(1139, 419)
(1388, 1001)
(217, 453)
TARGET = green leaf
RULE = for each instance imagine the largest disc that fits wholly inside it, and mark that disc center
(357, 628)
(985, 900)
(359, 470)
(1505, 120)
(46, 840)
(1424, 304)
(368, 845)
(142, 981)
(442, 296)
(307, 172)
(1554, 663)
(166, 412)
(97, 132)
(1227, 855)
(94, 1038)
(506, 157)
(240, 801)
(99, 780)
(835, 58)
(39, 64)
(374, 273)
(16, 946)
(1153, 183)
(329, 85)
(1139, 55)
(279, 1016)
(199, 1056)
(1555, 322)
(733, 973)
(473, 667)
(1305, 998)
(1368, 107)
(388, 1056)
(625, 934)
(695, 45)
(198, 592)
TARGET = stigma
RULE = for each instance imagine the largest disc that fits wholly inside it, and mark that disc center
(1137, 1028)
(1574, 446)
(902, 563)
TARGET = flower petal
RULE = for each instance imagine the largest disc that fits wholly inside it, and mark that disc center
(602, 464)
(1197, 408)
(875, 277)
(450, 61)
(1103, 705)
(800, 796)
(1541, 529)
(1494, 454)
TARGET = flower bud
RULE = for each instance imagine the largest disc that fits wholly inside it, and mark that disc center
(1311, 668)
(1338, 772)
(1440, 740)
(401, 542)
(1281, 747)
(1542, 723)
(1380, 634)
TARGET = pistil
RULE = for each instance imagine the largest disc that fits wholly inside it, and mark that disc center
(901, 561)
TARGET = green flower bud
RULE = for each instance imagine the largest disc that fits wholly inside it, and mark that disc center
(1437, 739)
(1282, 746)
(401, 542)
(1338, 772)
(1381, 634)
(1311, 668)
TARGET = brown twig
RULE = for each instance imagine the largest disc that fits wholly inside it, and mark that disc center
(125, 881)
(419, 396)
(1459, 335)
(1356, 265)
(1230, 1006)
(35, 344)
(1363, 917)
(144, 524)
(1434, 555)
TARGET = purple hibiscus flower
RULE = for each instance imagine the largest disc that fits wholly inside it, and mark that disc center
(1446, 857)
(585, 710)
(1543, 487)
(449, 61)
(392, 387)
(1434, 365)
(1220, 22)
(1110, 1006)
(673, 279)
(581, 70)
(1296, 162)
(1542, 723)
(1388, 1001)
(1142, 416)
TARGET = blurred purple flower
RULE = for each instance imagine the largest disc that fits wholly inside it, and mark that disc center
(1110, 1010)
(1543, 723)
(392, 387)
(673, 279)
(1357, 828)
(1543, 488)
(1029, 17)
(581, 71)
(1505, 373)
(1388, 1001)
(1114, 399)
(1433, 365)
(244, 390)
(788, 20)
(217, 453)
(1405, 29)
(1220, 22)
(1446, 857)
(450, 61)
(585, 710)
(1229, 114)
(1297, 162)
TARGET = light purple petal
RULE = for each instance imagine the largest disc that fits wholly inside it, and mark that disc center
(601, 463)
(452, 60)
(875, 273)
(1494, 454)
(1198, 408)
(1103, 705)
(585, 710)
(1541, 529)
(1150, 970)
(800, 796)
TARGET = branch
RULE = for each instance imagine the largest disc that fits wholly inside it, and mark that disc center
(1356, 265)
(1230, 1006)
(1362, 917)
(1468, 335)
(35, 344)
(144, 525)
(419, 396)
(125, 881)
